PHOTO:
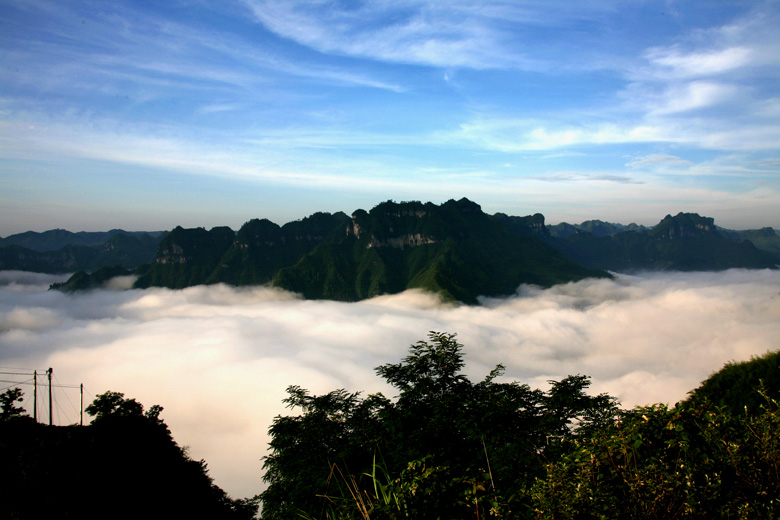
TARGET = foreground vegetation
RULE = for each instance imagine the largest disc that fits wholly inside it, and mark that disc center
(449, 448)
(123, 465)
(445, 448)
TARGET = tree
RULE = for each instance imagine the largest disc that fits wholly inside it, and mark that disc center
(114, 404)
(448, 447)
(690, 461)
(8, 400)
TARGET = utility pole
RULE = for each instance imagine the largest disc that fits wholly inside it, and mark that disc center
(81, 412)
(35, 395)
(51, 415)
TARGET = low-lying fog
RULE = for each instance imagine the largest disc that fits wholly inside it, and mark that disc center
(218, 359)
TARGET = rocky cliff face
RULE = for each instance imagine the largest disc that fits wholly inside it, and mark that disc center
(530, 225)
(400, 242)
(684, 225)
(396, 225)
(182, 246)
(172, 254)
(453, 249)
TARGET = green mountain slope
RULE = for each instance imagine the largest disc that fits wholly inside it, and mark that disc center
(252, 256)
(737, 384)
(262, 248)
(454, 249)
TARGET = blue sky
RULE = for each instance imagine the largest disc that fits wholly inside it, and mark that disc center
(148, 115)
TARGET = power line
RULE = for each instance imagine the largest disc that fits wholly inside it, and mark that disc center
(30, 382)
(46, 385)
(13, 385)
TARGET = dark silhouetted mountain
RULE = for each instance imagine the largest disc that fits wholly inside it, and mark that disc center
(531, 225)
(252, 256)
(82, 281)
(685, 242)
(765, 239)
(455, 250)
(66, 259)
(186, 257)
(55, 239)
(595, 227)
(86, 253)
(262, 248)
(684, 225)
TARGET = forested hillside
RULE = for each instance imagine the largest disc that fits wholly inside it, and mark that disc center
(447, 447)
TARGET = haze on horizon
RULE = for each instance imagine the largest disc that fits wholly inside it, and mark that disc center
(146, 115)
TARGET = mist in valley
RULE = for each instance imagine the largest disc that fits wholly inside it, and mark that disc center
(218, 358)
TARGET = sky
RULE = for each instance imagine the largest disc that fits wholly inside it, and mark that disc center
(147, 115)
(223, 356)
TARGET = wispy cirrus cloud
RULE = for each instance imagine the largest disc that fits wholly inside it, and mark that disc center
(674, 62)
(386, 99)
(657, 159)
(432, 33)
(709, 89)
(122, 52)
(587, 176)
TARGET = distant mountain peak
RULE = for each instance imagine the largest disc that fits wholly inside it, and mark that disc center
(684, 225)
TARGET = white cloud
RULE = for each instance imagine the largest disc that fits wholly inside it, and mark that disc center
(708, 89)
(218, 359)
(573, 176)
(694, 95)
(440, 34)
(679, 64)
(656, 159)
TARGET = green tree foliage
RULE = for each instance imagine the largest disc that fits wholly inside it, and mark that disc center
(734, 386)
(656, 462)
(124, 465)
(455, 447)
(446, 447)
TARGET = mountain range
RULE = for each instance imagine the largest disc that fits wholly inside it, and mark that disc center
(454, 249)
(61, 251)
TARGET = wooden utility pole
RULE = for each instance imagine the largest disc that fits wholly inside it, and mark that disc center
(51, 415)
(81, 412)
(35, 395)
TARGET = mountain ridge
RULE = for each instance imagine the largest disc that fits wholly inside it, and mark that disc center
(454, 249)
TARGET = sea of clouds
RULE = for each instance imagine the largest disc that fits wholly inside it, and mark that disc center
(218, 359)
